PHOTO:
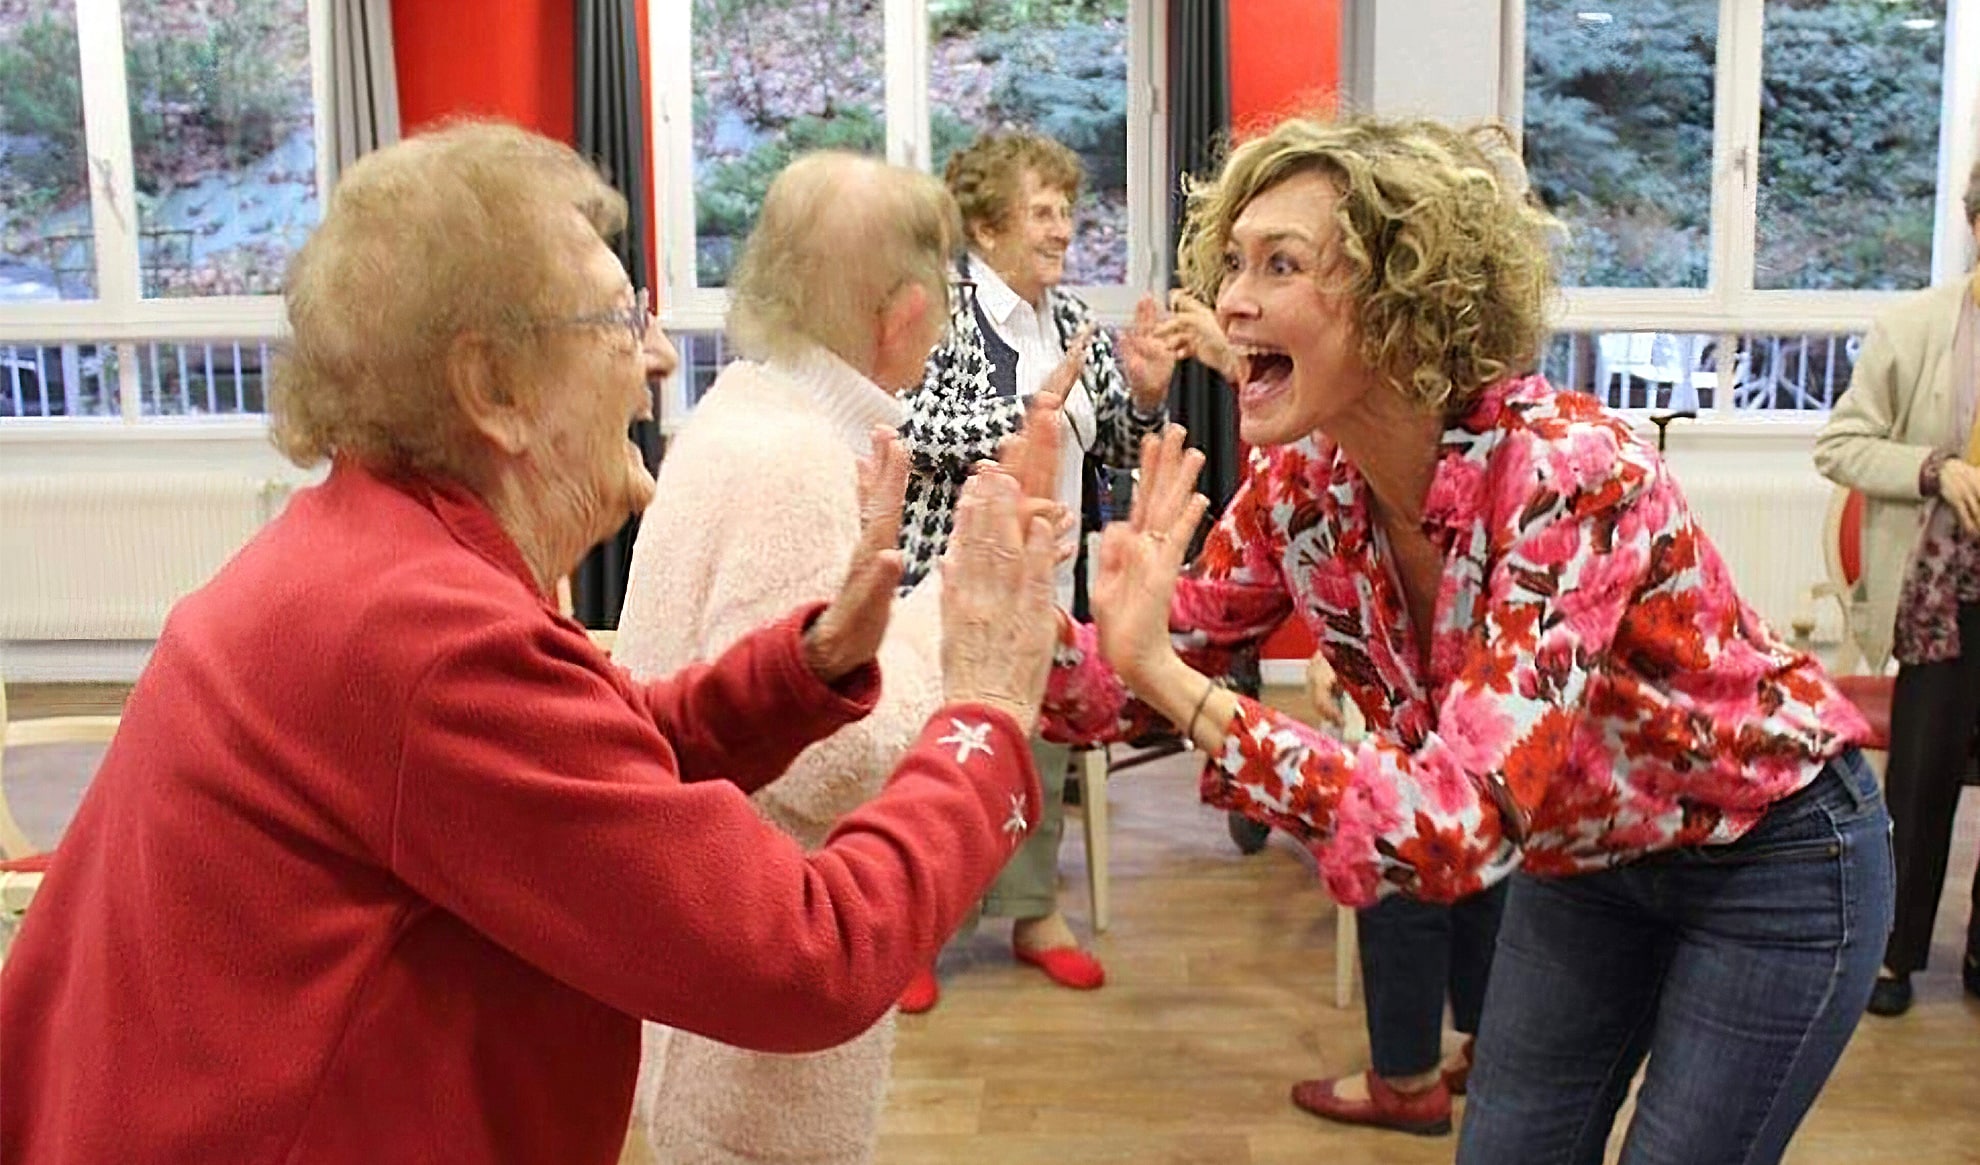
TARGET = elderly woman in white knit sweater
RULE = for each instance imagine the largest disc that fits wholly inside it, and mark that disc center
(838, 297)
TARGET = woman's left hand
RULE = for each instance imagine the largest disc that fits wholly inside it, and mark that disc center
(1147, 357)
(848, 632)
(1140, 558)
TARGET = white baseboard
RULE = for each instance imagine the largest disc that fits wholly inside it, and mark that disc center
(73, 661)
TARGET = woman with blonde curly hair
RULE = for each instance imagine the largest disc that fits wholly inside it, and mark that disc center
(1562, 689)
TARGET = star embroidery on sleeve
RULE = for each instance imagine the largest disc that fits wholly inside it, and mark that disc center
(1014, 824)
(968, 738)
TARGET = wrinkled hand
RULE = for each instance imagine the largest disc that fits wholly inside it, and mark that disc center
(1323, 690)
(848, 632)
(1140, 558)
(999, 613)
(1031, 457)
(1148, 359)
(1192, 333)
(1959, 487)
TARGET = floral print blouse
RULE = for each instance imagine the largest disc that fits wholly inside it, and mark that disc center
(1596, 689)
(1944, 573)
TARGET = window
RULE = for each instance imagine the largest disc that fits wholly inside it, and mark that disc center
(1745, 182)
(745, 85)
(161, 165)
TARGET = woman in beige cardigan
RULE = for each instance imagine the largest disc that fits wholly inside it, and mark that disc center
(1905, 435)
(757, 508)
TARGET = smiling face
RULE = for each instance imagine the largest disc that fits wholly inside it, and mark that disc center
(1028, 251)
(1281, 305)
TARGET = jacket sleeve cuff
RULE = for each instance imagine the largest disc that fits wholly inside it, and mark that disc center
(849, 699)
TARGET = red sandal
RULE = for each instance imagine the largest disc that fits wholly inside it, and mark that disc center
(921, 993)
(1426, 1113)
(1066, 966)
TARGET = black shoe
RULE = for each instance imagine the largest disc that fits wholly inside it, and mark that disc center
(1890, 996)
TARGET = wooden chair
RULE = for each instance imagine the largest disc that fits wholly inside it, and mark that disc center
(1842, 551)
(1092, 766)
(21, 870)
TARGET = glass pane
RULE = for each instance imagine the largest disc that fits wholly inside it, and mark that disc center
(1639, 370)
(58, 380)
(703, 356)
(46, 249)
(1846, 194)
(222, 129)
(195, 378)
(1618, 135)
(772, 79)
(1798, 372)
(1057, 67)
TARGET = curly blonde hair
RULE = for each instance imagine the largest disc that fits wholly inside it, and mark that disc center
(1445, 255)
(450, 232)
(986, 175)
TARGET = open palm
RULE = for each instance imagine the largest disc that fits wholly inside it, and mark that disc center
(1140, 558)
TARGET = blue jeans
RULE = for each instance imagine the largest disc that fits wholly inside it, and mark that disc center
(1414, 956)
(1740, 971)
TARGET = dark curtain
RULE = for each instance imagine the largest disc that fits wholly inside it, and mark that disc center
(611, 131)
(1199, 120)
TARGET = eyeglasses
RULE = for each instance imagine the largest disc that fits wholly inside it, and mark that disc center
(634, 319)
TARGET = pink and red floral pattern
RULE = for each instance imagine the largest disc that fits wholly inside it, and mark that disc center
(1596, 689)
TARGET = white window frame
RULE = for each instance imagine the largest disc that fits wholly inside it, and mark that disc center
(1729, 303)
(688, 307)
(120, 314)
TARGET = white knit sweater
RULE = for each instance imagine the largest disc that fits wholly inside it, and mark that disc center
(757, 511)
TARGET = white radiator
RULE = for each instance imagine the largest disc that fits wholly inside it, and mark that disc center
(1768, 527)
(104, 556)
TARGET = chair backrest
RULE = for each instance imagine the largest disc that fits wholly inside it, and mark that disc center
(14, 843)
(1842, 551)
(1842, 540)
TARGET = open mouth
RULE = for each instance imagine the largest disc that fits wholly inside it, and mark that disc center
(1267, 373)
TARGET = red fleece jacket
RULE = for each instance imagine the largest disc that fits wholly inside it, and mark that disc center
(388, 860)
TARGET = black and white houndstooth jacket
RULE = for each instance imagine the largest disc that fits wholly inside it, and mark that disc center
(968, 403)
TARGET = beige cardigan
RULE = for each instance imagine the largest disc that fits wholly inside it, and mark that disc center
(757, 511)
(1897, 410)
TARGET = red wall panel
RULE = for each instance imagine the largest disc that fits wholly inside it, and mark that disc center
(505, 58)
(1285, 56)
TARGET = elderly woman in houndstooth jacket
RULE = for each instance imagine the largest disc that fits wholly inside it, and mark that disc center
(1009, 328)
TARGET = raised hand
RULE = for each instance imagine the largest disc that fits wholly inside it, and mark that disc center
(1192, 333)
(848, 632)
(999, 614)
(1146, 357)
(1140, 558)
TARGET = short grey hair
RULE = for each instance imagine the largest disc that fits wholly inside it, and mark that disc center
(838, 235)
(447, 232)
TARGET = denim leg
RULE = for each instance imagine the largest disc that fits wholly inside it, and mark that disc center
(1474, 934)
(1568, 1014)
(1780, 937)
(1405, 961)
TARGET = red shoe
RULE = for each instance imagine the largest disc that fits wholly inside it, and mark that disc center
(1458, 1079)
(921, 993)
(1426, 1113)
(1066, 966)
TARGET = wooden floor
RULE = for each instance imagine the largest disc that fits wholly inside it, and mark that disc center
(1220, 976)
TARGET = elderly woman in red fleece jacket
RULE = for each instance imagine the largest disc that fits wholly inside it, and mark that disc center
(388, 860)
